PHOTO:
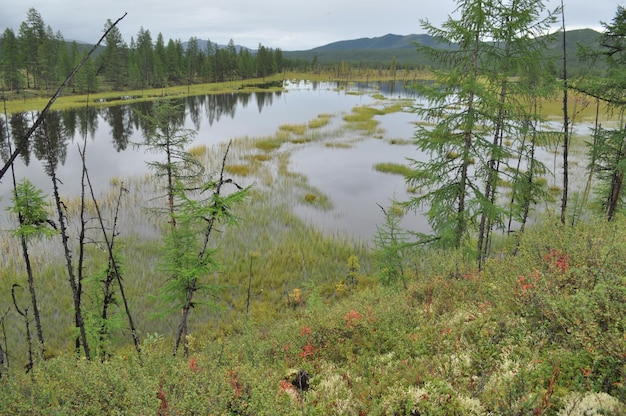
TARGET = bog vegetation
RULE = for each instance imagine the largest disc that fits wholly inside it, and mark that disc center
(196, 290)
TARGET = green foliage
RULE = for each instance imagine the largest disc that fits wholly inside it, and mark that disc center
(354, 269)
(607, 152)
(180, 262)
(30, 205)
(186, 260)
(475, 104)
(187, 257)
(391, 247)
(165, 135)
(103, 320)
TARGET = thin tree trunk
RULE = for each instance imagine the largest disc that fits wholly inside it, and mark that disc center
(486, 220)
(616, 186)
(33, 295)
(566, 135)
(24, 314)
(3, 367)
(5, 350)
(25, 254)
(182, 326)
(113, 264)
(74, 284)
(467, 144)
(170, 181)
(592, 163)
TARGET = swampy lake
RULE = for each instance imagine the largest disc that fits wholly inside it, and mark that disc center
(340, 165)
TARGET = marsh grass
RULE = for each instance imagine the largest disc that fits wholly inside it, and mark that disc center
(198, 151)
(362, 119)
(297, 129)
(318, 200)
(581, 109)
(338, 145)
(240, 170)
(399, 141)
(320, 121)
(269, 144)
(393, 168)
(260, 157)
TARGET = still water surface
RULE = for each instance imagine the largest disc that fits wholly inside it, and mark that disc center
(345, 175)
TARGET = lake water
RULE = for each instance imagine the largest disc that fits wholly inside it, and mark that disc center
(345, 175)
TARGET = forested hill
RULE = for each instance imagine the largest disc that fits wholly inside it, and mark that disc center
(385, 48)
(386, 42)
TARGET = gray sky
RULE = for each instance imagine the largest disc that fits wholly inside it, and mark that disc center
(289, 25)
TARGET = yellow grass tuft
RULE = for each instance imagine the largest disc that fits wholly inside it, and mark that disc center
(198, 151)
(298, 129)
(241, 170)
(321, 121)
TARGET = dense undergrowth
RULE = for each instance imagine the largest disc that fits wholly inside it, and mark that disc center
(541, 332)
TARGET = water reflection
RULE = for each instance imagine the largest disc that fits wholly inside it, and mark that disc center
(111, 131)
(122, 120)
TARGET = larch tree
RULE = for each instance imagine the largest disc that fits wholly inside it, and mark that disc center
(475, 106)
(608, 153)
(195, 205)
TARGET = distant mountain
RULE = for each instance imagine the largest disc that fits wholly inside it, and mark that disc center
(383, 49)
(573, 38)
(386, 42)
(370, 50)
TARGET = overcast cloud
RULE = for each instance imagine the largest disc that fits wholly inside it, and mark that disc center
(289, 25)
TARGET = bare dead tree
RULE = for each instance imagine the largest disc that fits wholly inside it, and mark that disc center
(24, 314)
(566, 124)
(26, 255)
(113, 274)
(65, 240)
(4, 356)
